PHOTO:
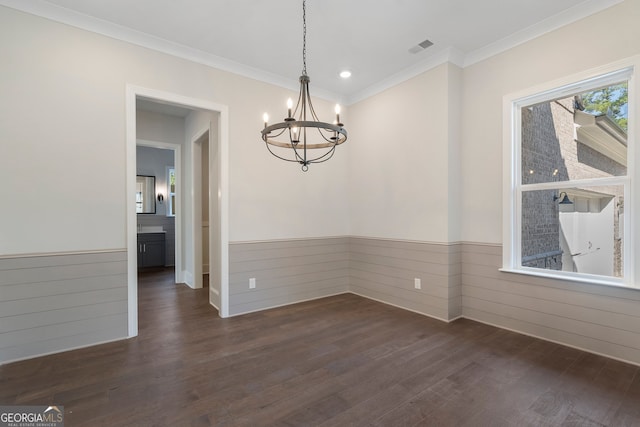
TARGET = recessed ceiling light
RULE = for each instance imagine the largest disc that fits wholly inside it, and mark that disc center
(345, 74)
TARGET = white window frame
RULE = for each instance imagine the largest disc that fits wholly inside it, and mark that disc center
(170, 208)
(512, 187)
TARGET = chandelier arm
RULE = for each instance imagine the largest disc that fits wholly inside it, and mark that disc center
(321, 159)
(313, 146)
(311, 109)
(278, 134)
(296, 148)
(299, 158)
(295, 112)
(304, 89)
(304, 147)
(333, 133)
(280, 157)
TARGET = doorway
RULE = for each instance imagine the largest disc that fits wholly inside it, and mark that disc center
(203, 205)
(156, 228)
(187, 235)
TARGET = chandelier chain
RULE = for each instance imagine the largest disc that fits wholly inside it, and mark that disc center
(304, 37)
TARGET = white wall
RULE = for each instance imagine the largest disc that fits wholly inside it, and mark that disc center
(404, 167)
(273, 199)
(62, 132)
(600, 39)
(157, 127)
(454, 143)
(63, 127)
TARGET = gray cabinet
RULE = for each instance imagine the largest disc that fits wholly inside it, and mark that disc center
(151, 250)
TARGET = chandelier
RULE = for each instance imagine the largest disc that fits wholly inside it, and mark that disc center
(301, 130)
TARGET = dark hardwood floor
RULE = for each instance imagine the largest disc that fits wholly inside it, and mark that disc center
(338, 361)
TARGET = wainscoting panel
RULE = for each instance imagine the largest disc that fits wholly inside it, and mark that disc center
(385, 270)
(286, 272)
(597, 318)
(54, 302)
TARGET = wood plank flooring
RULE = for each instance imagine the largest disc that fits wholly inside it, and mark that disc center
(337, 361)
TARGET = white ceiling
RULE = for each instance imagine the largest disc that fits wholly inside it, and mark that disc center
(263, 39)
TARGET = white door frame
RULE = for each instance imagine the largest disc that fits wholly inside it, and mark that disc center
(197, 201)
(133, 92)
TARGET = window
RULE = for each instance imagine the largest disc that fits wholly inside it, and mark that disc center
(567, 158)
(171, 184)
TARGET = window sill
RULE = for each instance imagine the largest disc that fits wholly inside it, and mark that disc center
(571, 277)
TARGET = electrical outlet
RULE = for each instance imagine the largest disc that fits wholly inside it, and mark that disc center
(417, 283)
(252, 283)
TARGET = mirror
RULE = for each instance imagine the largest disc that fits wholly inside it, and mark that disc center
(145, 194)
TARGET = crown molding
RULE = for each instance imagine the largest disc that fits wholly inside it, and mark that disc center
(75, 19)
(454, 56)
(66, 16)
(443, 56)
(573, 14)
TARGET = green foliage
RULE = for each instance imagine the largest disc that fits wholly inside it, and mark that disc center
(172, 180)
(610, 100)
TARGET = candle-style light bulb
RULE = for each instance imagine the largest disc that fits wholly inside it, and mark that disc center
(337, 109)
(289, 106)
(294, 131)
(265, 117)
